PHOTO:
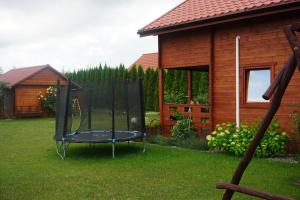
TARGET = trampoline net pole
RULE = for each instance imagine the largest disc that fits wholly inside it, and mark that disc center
(141, 91)
(57, 109)
(66, 108)
(113, 116)
(89, 108)
(127, 105)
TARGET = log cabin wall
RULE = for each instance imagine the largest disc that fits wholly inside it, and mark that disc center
(46, 76)
(262, 41)
(185, 49)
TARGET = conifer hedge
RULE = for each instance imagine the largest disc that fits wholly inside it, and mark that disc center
(175, 82)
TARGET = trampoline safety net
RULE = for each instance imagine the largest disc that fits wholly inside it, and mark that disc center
(106, 112)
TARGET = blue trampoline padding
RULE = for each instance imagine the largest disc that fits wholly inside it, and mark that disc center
(102, 136)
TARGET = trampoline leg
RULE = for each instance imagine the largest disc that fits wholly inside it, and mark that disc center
(144, 143)
(113, 150)
(61, 150)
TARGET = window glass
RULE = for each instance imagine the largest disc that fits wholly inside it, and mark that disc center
(258, 83)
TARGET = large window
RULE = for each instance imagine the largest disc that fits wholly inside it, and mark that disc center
(256, 80)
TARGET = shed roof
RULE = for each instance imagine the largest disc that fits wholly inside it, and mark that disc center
(147, 60)
(201, 10)
(15, 76)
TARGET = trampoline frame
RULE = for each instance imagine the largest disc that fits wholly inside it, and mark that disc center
(63, 142)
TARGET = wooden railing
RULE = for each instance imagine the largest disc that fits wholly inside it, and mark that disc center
(200, 115)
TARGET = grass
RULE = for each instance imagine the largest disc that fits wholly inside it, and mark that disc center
(30, 169)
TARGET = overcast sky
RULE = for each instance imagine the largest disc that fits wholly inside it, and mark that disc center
(72, 34)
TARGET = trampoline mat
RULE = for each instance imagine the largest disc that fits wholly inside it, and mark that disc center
(100, 136)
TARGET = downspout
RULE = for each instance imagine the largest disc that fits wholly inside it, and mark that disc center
(237, 81)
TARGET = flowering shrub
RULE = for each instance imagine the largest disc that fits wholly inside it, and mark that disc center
(235, 140)
(48, 100)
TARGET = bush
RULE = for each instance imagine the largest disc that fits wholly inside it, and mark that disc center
(152, 119)
(191, 142)
(48, 100)
(296, 117)
(229, 138)
(182, 129)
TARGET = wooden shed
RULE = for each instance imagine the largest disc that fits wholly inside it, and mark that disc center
(240, 44)
(23, 87)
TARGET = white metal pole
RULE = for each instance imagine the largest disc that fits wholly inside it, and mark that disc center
(237, 80)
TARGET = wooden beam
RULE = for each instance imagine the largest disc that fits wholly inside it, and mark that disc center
(161, 86)
(251, 192)
(293, 40)
(190, 86)
(210, 77)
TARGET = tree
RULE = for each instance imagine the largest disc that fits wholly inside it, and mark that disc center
(133, 73)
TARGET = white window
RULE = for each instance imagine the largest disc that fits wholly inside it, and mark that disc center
(258, 81)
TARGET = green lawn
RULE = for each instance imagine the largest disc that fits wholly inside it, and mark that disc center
(30, 169)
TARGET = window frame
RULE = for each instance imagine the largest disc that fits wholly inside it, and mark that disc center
(245, 80)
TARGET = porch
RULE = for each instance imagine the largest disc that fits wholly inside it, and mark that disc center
(194, 100)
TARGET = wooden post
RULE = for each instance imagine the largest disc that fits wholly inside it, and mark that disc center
(161, 97)
(161, 86)
(211, 78)
(190, 86)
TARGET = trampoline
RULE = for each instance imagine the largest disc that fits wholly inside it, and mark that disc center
(108, 112)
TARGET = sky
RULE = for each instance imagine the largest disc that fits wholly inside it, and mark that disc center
(74, 34)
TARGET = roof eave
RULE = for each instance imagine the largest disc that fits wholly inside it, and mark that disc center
(282, 8)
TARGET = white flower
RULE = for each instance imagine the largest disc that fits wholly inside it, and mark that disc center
(219, 129)
(214, 133)
(208, 137)
(227, 131)
(222, 134)
(235, 135)
(283, 133)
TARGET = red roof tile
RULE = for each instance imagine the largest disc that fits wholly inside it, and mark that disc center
(200, 10)
(148, 60)
(15, 76)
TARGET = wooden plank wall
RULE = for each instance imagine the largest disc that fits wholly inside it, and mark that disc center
(186, 49)
(44, 77)
(262, 41)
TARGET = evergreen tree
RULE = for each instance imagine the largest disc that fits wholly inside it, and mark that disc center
(140, 72)
(133, 73)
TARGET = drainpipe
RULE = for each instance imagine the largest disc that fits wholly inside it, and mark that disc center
(237, 81)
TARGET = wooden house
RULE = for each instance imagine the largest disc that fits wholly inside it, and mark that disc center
(23, 85)
(242, 46)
